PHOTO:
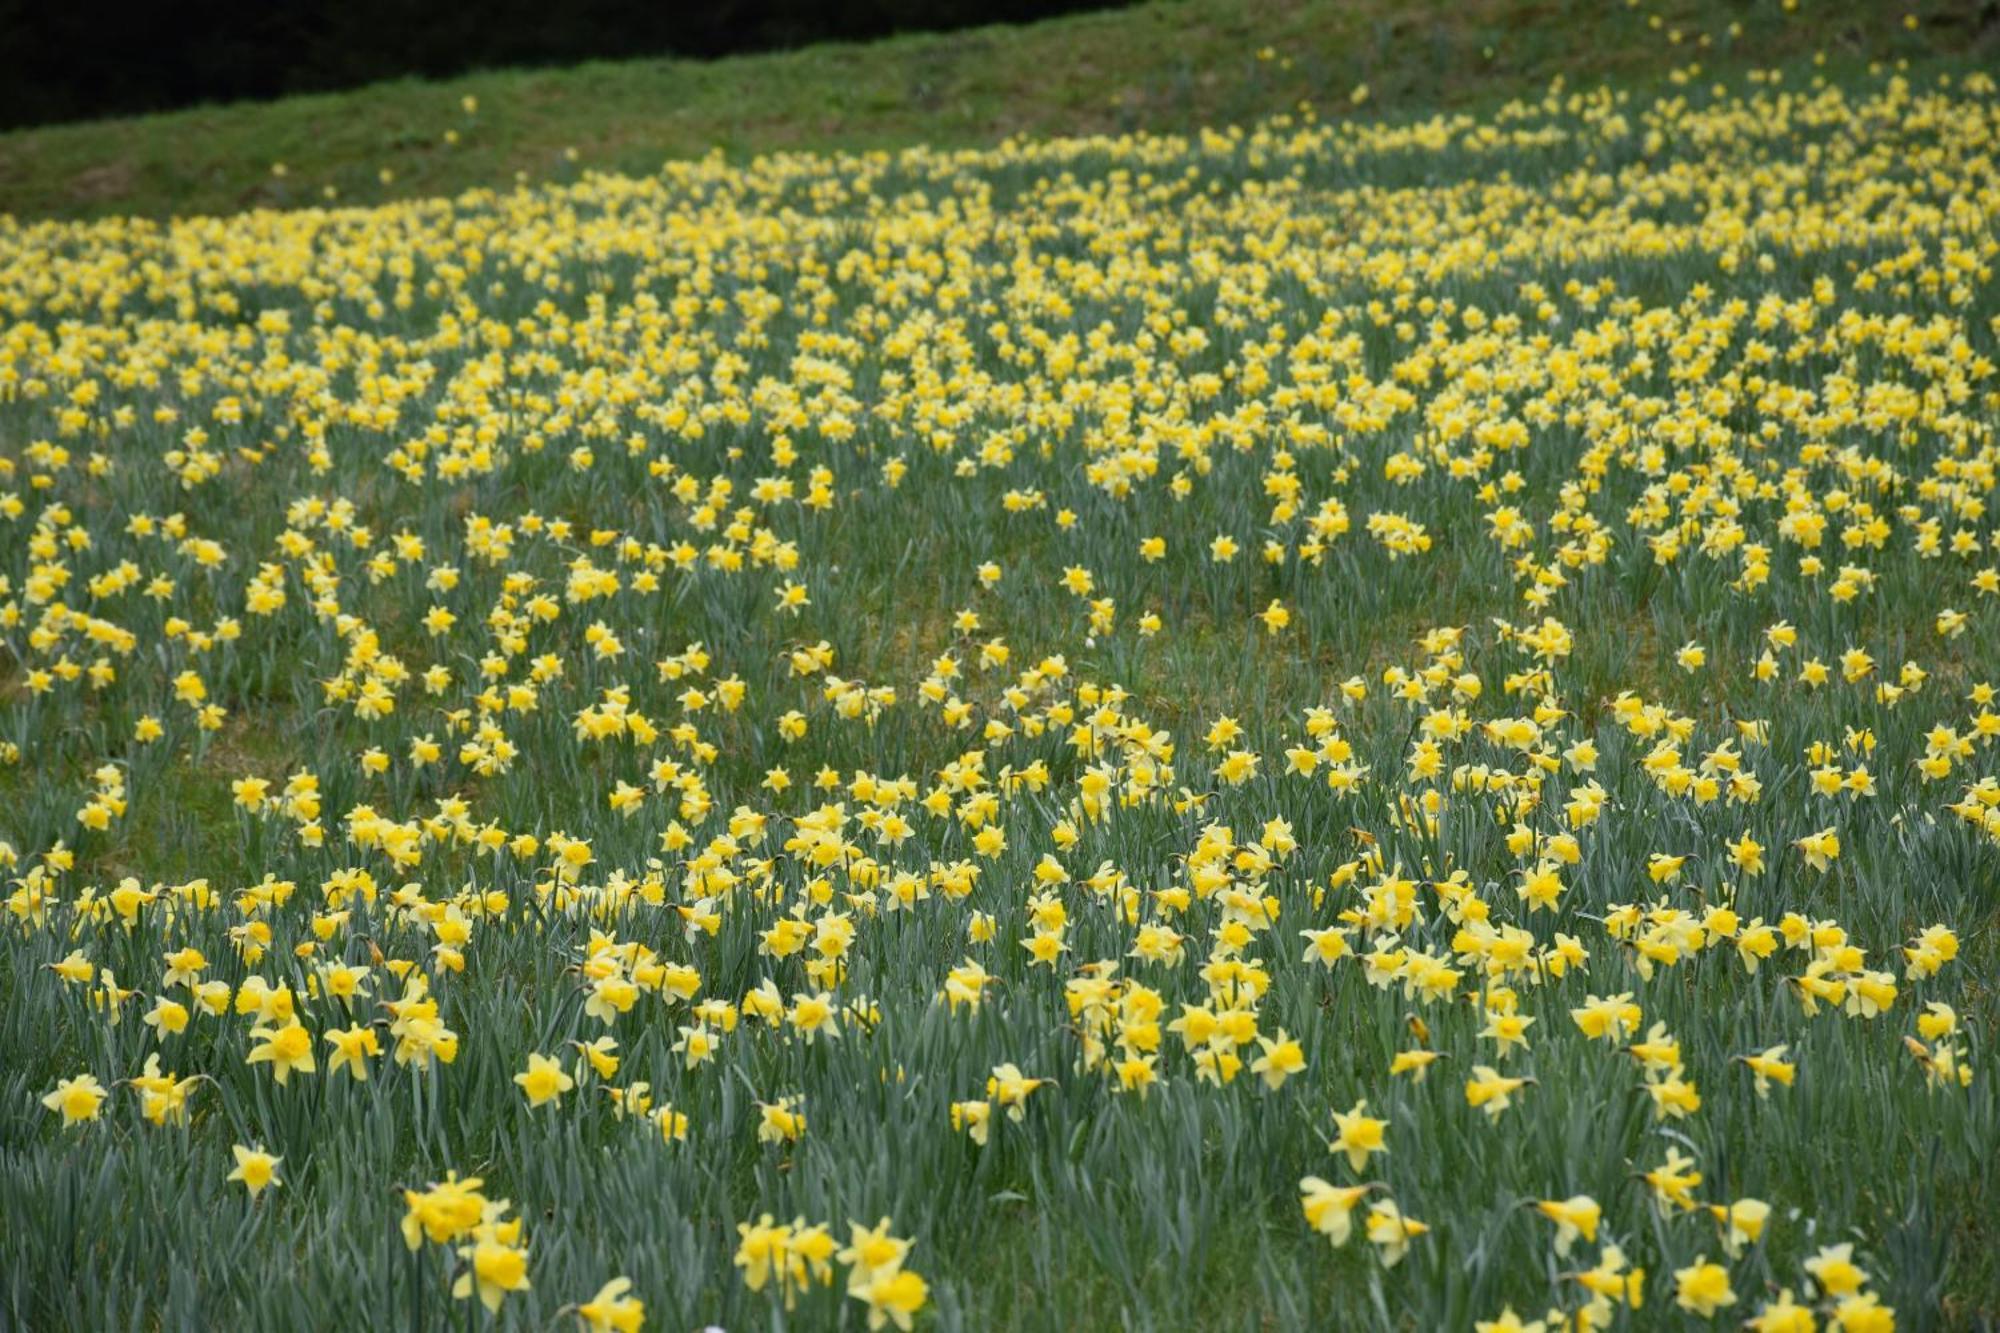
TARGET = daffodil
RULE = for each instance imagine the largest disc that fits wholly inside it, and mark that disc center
(1783, 1315)
(287, 1049)
(445, 1212)
(1391, 1231)
(353, 1047)
(255, 1168)
(1281, 1059)
(1574, 1217)
(1702, 1288)
(494, 1265)
(544, 1080)
(1329, 1209)
(611, 1310)
(1742, 1223)
(1361, 1135)
(77, 1099)
(1491, 1091)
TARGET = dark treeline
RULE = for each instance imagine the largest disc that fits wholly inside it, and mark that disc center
(73, 61)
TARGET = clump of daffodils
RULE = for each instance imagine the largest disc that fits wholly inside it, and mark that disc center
(794, 1257)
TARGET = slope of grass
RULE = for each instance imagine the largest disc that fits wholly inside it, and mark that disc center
(1156, 66)
(1172, 1210)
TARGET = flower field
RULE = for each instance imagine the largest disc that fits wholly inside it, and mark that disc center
(1351, 723)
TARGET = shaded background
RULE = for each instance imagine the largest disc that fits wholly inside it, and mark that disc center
(77, 61)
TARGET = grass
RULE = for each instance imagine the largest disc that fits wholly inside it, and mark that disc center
(645, 358)
(1163, 66)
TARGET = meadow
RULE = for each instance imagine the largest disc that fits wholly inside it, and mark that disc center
(1349, 722)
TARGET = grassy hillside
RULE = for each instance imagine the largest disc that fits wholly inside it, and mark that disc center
(851, 738)
(1152, 66)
